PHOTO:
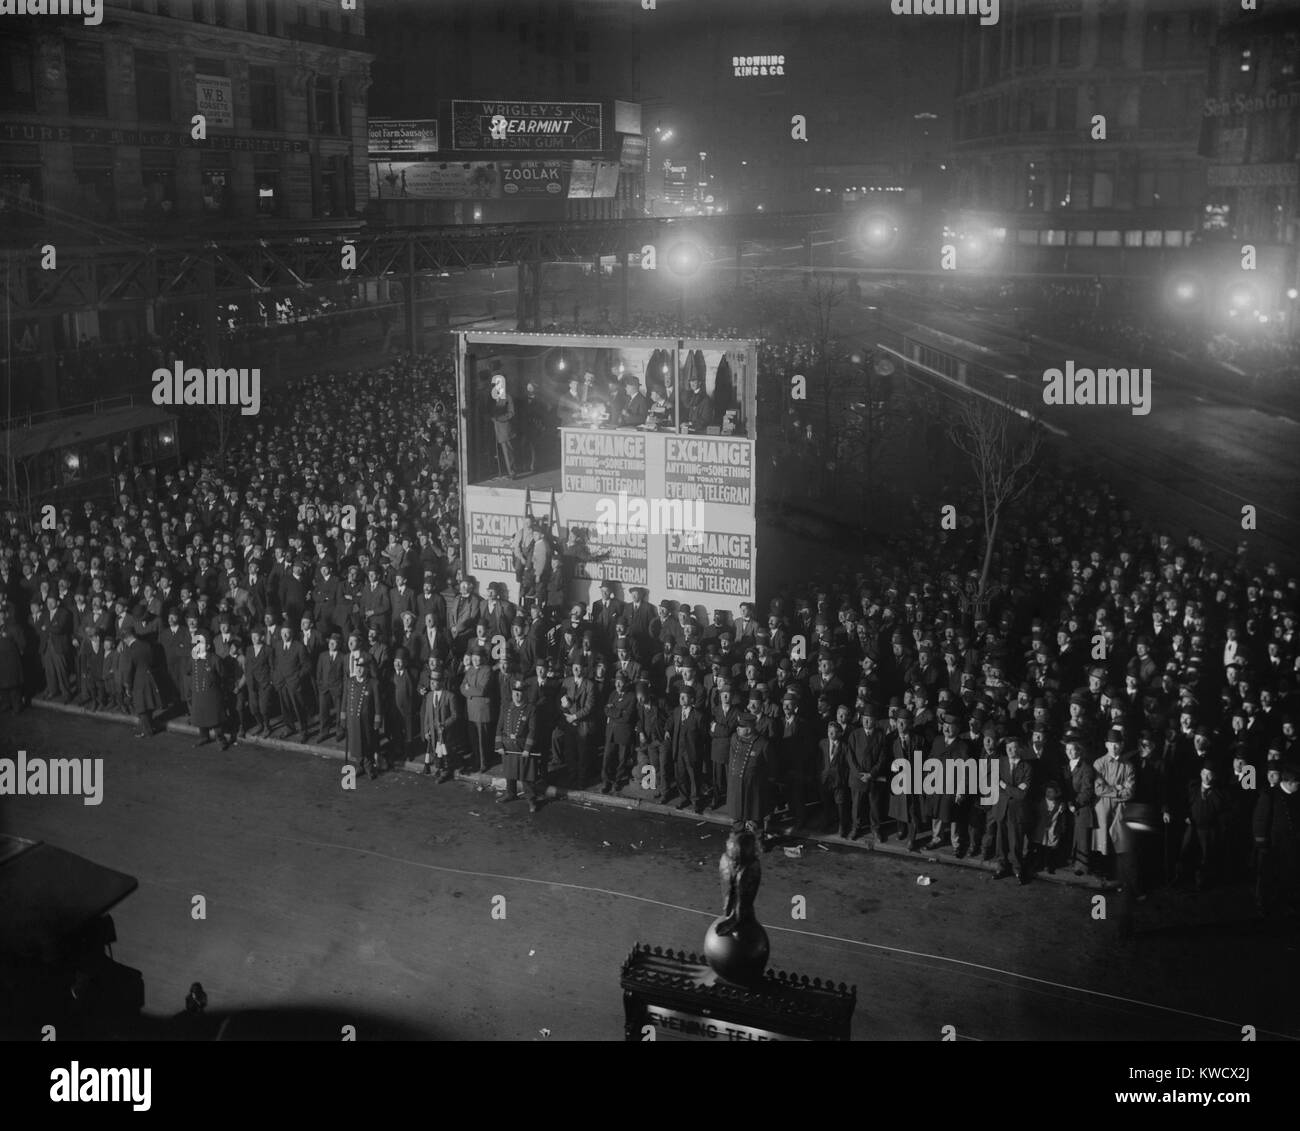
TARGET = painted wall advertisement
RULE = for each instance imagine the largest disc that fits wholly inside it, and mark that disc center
(432, 180)
(213, 99)
(522, 127)
(403, 139)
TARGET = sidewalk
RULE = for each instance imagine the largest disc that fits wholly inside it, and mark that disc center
(631, 797)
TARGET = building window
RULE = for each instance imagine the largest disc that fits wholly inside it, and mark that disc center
(1082, 239)
(523, 31)
(1024, 44)
(1173, 239)
(215, 182)
(263, 98)
(581, 72)
(153, 86)
(1110, 48)
(1042, 43)
(1162, 107)
(21, 193)
(582, 41)
(1067, 107)
(1109, 98)
(1157, 39)
(17, 76)
(1151, 239)
(331, 195)
(272, 23)
(201, 14)
(266, 176)
(1103, 190)
(324, 106)
(1108, 239)
(1070, 33)
(252, 15)
(1027, 236)
(87, 80)
(1040, 106)
(158, 178)
(92, 171)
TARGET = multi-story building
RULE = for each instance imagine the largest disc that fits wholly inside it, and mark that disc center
(97, 122)
(746, 72)
(525, 53)
(1251, 138)
(170, 124)
(1077, 132)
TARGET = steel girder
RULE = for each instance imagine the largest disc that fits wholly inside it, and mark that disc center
(107, 275)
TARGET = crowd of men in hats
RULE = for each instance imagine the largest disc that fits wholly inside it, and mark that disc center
(1116, 671)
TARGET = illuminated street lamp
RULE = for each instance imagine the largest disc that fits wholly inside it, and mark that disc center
(684, 260)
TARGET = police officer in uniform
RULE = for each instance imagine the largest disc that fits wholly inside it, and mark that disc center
(517, 746)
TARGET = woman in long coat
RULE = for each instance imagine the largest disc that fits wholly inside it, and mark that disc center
(360, 715)
(207, 691)
(477, 689)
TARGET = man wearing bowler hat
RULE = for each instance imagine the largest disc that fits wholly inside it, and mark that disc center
(440, 719)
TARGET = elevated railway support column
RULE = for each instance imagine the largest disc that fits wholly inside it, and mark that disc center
(626, 283)
(538, 268)
(409, 308)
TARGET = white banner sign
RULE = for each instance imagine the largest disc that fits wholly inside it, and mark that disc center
(214, 101)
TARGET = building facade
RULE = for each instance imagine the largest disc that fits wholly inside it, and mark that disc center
(446, 61)
(1078, 127)
(171, 126)
(97, 122)
(1251, 138)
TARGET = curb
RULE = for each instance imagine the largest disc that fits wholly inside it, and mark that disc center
(595, 797)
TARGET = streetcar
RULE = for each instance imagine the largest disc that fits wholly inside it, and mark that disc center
(67, 457)
(958, 367)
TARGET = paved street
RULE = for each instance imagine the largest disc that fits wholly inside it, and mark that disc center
(379, 901)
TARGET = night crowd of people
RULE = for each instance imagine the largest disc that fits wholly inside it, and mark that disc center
(1132, 694)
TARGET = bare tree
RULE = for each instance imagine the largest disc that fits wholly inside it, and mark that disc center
(1003, 450)
(818, 318)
